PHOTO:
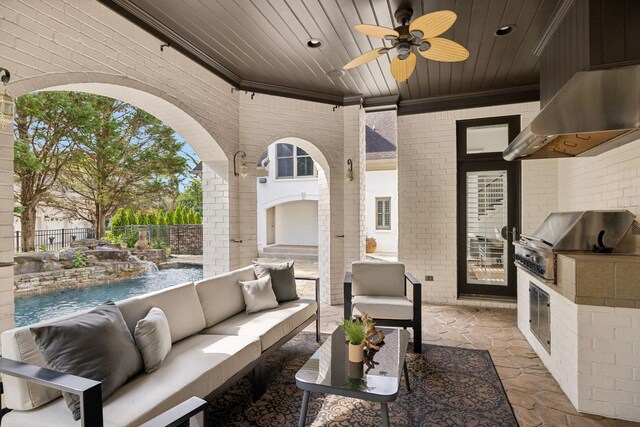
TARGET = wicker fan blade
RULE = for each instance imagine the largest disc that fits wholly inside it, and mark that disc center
(433, 24)
(401, 69)
(377, 31)
(364, 58)
(445, 50)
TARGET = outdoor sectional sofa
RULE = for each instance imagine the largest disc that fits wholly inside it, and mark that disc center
(215, 343)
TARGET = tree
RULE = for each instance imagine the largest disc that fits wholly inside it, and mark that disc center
(129, 158)
(191, 197)
(48, 126)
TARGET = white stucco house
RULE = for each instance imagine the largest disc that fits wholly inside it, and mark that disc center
(288, 192)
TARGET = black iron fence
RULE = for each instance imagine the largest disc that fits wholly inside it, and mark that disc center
(181, 239)
(52, 240)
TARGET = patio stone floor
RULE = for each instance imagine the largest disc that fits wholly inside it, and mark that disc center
(536, 397)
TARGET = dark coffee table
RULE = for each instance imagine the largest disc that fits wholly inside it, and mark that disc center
(329, 371)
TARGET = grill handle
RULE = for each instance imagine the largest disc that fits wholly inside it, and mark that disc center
(535, 239)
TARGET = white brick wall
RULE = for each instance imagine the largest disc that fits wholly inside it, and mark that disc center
(595, 352)
(427, 194)
(610, 180)
(609, 340)
(562, 362)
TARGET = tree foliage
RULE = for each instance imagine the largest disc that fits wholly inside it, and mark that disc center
(128, 216)
(126, 158)
(191, 197)
(48, 125)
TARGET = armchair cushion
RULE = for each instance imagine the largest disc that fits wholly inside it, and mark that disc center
(378, 278)
(392, 308)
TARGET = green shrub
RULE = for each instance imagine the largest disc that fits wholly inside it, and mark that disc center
(79, 260)
(131, 237)
(354, 330)
(111, 237)
(43, 248)
(160, 244)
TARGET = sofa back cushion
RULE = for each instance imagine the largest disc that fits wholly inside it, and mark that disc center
(96, 345)
(221, 296)
(377, 278)
(179, 303)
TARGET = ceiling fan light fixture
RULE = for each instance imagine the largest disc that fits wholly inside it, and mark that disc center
(424, 46)
(417, 33)
(390, 37)
(403, 56)
(503, 31)
(314, 43)
(384, 50)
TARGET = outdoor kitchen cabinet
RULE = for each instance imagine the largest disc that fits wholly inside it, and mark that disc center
(540, 315)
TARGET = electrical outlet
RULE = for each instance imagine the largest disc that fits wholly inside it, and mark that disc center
(428, 278)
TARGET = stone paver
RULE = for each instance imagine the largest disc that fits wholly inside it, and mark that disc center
(536, 397)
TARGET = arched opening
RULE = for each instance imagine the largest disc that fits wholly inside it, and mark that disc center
(293, 206)
(184, 122)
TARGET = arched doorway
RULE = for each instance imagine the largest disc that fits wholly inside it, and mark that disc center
(301, 189)
(184, 121)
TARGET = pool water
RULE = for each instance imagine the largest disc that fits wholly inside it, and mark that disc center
(35, 308)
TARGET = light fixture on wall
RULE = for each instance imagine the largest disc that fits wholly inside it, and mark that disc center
(349, 174)
(7, 107)
(241, 169)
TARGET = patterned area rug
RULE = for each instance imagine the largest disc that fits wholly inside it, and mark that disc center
(449, 387)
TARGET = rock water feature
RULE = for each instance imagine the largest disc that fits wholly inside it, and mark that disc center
(87, 262)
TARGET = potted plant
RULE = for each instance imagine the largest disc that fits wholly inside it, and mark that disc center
(371, 245)
(355, 334)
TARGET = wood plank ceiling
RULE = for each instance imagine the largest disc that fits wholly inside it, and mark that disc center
(261, 45)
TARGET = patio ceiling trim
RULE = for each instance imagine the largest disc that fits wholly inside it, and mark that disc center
(470, 100)
(145, 21)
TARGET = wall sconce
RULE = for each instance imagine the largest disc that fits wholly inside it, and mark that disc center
(7, 106)
(349, 174)
(241, 169)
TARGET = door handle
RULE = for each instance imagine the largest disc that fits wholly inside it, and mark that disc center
(514, 234)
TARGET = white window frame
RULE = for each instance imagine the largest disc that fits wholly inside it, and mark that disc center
(295, 157)
(383, 219)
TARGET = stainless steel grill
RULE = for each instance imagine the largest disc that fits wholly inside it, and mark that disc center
(570, 232)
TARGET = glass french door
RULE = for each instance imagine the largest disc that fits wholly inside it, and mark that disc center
(488, 209)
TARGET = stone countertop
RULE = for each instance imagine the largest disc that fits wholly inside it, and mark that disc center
(610, 280)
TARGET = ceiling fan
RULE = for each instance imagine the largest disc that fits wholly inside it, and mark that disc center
(419, 36)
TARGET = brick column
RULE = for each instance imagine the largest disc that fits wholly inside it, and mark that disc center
(216, 207)
(6, 227)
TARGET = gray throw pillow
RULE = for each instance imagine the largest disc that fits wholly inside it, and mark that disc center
(95, 345)
(258, 294)
(153, 339)
(283, 278)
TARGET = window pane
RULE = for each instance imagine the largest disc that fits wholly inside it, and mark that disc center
(305, 166)
(285, 150)
(301, 152)
(285, 167)
(487, 139)
(380, 220)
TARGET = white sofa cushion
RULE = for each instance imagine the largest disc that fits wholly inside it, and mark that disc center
(395, 308)
(269, 326)
(180, 305)
(19, 344)
(153, 339)
(258, 294)
(221, 296)
(195, 366)
(377, 278)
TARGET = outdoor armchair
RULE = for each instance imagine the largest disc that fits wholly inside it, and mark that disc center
(380, 290)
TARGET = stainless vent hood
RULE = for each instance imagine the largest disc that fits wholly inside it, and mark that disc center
(594, 111)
